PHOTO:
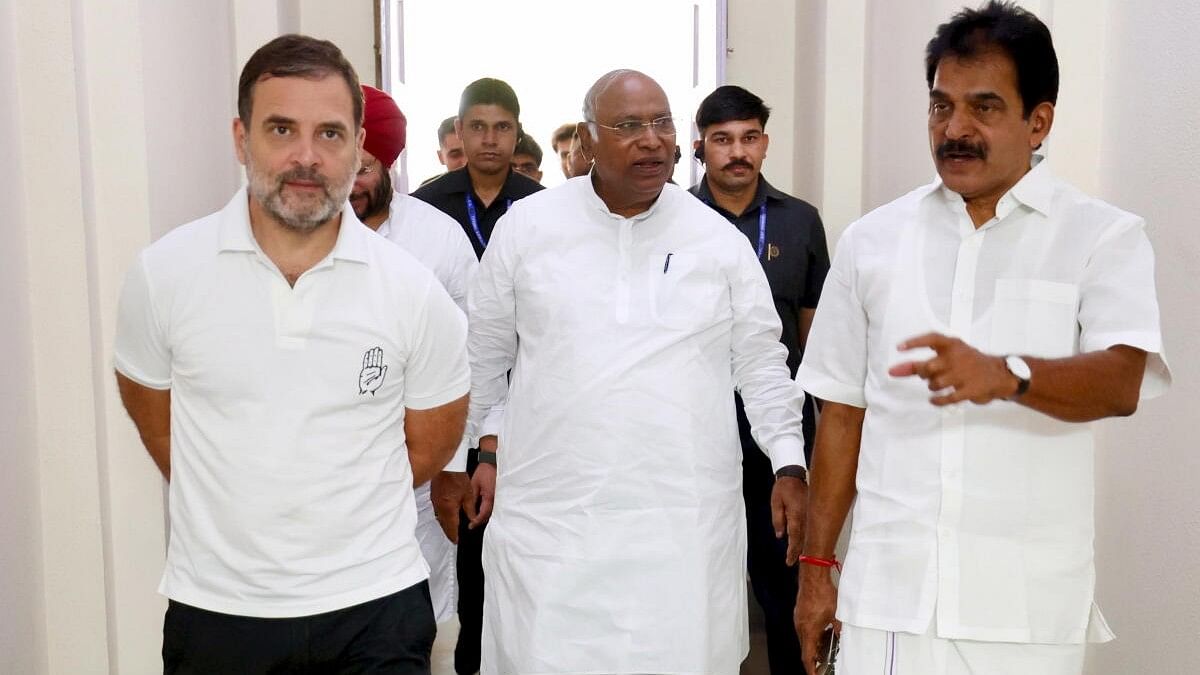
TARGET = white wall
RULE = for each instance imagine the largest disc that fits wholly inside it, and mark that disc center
(22, 610)
(1148, 505)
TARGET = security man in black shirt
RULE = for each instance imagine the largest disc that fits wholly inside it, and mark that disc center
(476, 196)
(789, 238)
(479, 193)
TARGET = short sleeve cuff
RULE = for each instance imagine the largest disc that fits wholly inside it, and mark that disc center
(826, 388)
(1157, 378)
(139, 376)
(453, 392)
(787, 451)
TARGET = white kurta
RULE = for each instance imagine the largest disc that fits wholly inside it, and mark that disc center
(977, 519)
(437, 241)
(617, 544)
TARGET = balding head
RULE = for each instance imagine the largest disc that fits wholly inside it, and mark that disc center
(633, 158)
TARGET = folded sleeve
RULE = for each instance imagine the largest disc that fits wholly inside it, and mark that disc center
(436, 371)
(835, 357)
(1118, 304)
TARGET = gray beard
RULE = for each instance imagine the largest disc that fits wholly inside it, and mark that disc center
(269, 194)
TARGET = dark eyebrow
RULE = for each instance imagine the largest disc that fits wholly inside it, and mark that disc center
(278, 120)
(335, 126)
(987, 96)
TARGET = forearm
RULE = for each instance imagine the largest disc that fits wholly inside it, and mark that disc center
(150, 410)
(432, 437)
(831, 479)
(1086, 387)
(159, 448)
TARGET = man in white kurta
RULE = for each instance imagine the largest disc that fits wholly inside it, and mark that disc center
(964, 334)
(628, 312)
(436, 240)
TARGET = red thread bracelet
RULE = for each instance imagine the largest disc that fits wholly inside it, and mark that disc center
(821, 562)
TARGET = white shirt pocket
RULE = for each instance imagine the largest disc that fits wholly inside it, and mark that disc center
(1035, 317)
(684, 290)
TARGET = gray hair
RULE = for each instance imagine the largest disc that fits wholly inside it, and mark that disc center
(593, 93)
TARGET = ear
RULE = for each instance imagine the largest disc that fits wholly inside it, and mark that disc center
(766, 141)
(239, 140)
(1041, 118)
(362, 138)
(586, 142)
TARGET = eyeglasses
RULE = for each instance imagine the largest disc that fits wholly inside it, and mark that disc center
(663, 126)
(368, 169)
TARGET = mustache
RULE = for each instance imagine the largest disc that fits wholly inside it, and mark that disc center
(304, 174)
(961, 148)
(738, 162)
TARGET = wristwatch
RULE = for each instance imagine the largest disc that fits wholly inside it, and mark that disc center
(792, 471)
(1017, 366)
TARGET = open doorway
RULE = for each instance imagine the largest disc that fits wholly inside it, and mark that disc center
(550, 51)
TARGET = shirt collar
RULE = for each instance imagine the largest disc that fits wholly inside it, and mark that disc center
(236, 235)
(1035, 189)
(762, 193)
(589, 191)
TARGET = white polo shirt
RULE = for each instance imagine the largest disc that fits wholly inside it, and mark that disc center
(291, 491)
(980, 516)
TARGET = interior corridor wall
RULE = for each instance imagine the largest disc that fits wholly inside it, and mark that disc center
(1148, 504)
(22, 610)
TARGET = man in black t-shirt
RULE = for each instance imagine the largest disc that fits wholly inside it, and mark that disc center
(476, 196)
(789, 238)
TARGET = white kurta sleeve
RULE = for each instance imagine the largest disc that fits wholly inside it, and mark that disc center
(463, 265)
(835, 356)
(492, 343)
(140, 350)
(773, 405)
(1118, 304)
(436, 370)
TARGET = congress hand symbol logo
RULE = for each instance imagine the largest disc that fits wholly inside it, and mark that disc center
(373, 371)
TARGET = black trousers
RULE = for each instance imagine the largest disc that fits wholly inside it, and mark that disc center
(469, 567)
(393, 635)
(773, 582)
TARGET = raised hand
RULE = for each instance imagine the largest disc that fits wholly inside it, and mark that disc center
(958, 372)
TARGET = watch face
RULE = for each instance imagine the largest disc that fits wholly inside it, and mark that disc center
(1017, 366)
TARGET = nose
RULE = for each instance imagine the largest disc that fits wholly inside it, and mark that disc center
(959, 125)
(304, 152)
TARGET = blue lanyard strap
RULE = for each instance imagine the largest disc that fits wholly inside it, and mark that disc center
(475, 219)
(762, 230)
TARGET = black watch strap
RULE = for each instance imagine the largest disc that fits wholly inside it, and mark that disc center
(486, 457)
(792, 471)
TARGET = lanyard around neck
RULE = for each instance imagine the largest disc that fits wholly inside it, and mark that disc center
(762, 230)
(475, 219)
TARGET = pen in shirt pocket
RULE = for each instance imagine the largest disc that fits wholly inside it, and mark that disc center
(667, 262)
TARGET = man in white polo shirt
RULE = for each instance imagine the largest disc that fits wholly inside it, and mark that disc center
(440, 244)
(965, 335)
(292, 375)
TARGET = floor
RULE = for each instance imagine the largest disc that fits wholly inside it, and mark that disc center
(755, 664)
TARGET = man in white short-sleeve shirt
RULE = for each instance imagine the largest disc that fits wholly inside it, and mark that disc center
(437, 241)
(293, 375)
(966, 334)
